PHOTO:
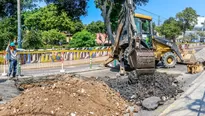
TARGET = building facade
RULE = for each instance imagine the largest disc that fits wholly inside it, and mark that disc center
(200, 26)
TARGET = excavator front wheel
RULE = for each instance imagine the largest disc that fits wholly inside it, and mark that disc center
(169, 60)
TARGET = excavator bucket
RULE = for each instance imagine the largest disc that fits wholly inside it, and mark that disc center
(188, 57)
(143, 61)
(195, 68)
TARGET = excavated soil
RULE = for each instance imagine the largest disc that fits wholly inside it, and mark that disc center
(65, 96)
(76, 95)
(160, 84)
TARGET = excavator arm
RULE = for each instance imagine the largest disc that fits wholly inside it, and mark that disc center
(128, 47)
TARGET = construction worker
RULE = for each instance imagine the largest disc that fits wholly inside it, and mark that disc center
(12, 57)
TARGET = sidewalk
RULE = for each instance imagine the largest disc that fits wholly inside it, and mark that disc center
(191, 103)
(59, 64)
(54, 71)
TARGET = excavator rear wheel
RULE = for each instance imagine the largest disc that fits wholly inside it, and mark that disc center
(169, 60)
(156, 62)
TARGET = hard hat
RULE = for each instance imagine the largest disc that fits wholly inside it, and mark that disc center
(12, 44)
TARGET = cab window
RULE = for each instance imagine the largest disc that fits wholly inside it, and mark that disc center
(145, 26)
(138, 23)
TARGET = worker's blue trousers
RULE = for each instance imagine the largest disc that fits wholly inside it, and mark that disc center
(12, 67)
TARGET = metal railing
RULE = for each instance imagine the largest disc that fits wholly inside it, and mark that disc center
(37, 61)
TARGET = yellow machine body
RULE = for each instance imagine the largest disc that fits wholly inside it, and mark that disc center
(141, 16)
(195, 68)
(160, 49)
(164, 50)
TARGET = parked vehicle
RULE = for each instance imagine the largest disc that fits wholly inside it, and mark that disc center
(195, 40)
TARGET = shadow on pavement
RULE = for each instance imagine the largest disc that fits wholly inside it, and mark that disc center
(3, 80)
(198, 106)
(115, 69)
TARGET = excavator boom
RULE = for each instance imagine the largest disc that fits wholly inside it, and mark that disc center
(128, 47)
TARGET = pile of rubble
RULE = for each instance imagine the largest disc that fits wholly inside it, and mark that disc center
(67, 96)
(157, 88)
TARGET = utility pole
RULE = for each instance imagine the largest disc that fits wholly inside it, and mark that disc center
(19, 22)
(184, 30)
(203, 25)
(158, 20)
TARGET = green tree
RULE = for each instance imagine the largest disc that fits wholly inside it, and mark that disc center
(9, 7)
(53, 37)
(153, 25)
(170, 29)
(31, 37)
(48, 18)
(96, 27)
(8, 29)
(83, 39)
(73, 8)
(78, 26)
(188, 18)
(201, 33)
(111, 10)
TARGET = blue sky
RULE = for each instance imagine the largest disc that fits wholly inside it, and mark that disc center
(164, 8)
(169, 8)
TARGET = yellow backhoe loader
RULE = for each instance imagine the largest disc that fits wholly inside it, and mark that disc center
(129, 47)
(135, 47)
(164, 50)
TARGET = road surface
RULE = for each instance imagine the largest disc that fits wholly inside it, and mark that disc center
(192, 102)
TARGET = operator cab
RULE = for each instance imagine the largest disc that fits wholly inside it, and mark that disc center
(144, 27)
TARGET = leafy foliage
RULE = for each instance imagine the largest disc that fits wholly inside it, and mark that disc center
(170, 28)
(96, 27)
(83, 39)
(188, 18)
(4, 39)
(201, 33)
(8, 29)
(31, 37)
(111, 13)
(47, 18)
(73, 8)
(9, 7)
(53, 37)
(78, 26)
(58, 16)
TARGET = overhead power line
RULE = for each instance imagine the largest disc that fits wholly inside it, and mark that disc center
(158, 16)
(152, 13)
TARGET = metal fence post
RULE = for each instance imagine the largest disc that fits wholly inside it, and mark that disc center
(19, 65)
(90, 60)
(62, 66)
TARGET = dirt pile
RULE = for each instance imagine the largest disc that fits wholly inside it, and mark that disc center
(70, 96)
(160, 84)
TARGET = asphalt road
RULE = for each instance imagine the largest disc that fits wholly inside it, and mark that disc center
(9, 91)
(184, 78)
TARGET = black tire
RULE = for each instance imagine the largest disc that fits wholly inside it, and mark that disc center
(156, 62)
(169, 60)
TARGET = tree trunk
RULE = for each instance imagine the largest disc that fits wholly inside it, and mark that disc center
(106, 16)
